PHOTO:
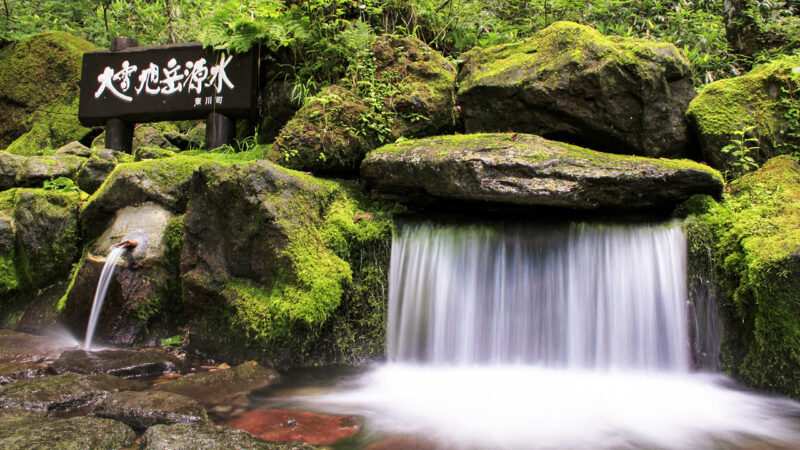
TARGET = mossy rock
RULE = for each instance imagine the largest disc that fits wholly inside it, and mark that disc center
(749, 106)
(98, 167)
(274, 257)
(528, 170)
(569, 82)
(39, 238)
(39, 83)
(754, 243)
(333, 131)
(76, 433)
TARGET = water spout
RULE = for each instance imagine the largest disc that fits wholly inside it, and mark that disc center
(130, 243)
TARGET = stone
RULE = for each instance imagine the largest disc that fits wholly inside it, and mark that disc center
(283, 425)
(142, 410)
(328, 135)
(60, 394)
(76, 433)
(39, 238)
(527, 170)
(222, 386)
(22, 347)
(98, 167)
(748, 106)
(145, 153)
(753, 239)
(207, 437)
(39, 110)
(74, 148)
(10, 166)
(38, 169)
(569, 82)
(117, 362)
(149, 136)
(146, 280)
(269, 255)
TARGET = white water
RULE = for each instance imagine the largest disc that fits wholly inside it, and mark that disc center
(100, 293)
(524, 337)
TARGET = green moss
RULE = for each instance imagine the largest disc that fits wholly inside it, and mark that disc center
(50, 128)
(726, 106)
(566, 44)
(754, 243)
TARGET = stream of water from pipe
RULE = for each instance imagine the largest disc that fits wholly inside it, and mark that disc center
(100, 293)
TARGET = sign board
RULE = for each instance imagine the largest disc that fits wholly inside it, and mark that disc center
(173, 82)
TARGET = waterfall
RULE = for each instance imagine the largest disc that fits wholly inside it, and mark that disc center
(100, 293)
(586, 297)
(577, 337)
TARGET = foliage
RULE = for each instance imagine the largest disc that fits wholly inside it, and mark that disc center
(790, 101)
(61, 184)
(741, 147)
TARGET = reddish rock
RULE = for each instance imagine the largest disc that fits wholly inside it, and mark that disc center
(284, 425)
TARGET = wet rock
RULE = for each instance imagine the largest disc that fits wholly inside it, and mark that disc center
(74, 148)
(75, 433)
(408, 443)
(120, 363)
(222, 386)
(141, 410)
(571, 83)
(60, 394)
(99, 167)
(517, 169)
(38, 169)
(208, 437)
(283, 425)
(21, 347)
(10, 166)
(12, 371)
(145, 282)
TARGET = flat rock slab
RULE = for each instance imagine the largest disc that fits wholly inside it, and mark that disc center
(120, 363)
(65, 434)
(528, 170)
(60, 394)
(22, 347)
(222, 386)
(141, 410)
(207, 437)
(285, 425)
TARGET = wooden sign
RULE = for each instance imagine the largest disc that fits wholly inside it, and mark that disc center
(174, 82)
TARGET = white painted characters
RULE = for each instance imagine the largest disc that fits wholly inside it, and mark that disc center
(193, 76)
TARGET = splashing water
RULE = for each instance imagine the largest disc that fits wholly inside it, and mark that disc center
(531, 337)
(100, 293)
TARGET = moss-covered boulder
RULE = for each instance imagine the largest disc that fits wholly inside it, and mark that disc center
(39, 84)
(36, 170)
(527, 170)
(117, 362)
(222, 387)
(60, 394)
(39, 240)
(411, 94)
(751, 109)
(76, 433)
(754, 242)
(571, 83)
(210, 437)
(142, 410)
(275, 258)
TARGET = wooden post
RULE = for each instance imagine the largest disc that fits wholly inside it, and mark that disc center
(119, 133)
(220, 130)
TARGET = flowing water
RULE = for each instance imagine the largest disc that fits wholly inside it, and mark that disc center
(100, 293)
(548, 337)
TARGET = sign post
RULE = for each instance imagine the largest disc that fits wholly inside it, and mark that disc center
(132, 84)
